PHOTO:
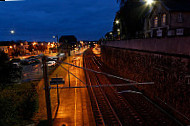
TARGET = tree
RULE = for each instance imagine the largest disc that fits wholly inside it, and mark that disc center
(132, 16)
(4, 68)
(4, 57)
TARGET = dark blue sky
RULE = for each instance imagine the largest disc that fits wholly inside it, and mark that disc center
(38, 20)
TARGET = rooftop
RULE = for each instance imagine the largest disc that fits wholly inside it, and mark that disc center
(176, 5)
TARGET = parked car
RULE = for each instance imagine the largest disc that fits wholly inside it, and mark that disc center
(15, 65)
(54, 58)
(61, 56)
(32, 57)
(16, 61)
(35, 61)
(51, 63)
(25, 62)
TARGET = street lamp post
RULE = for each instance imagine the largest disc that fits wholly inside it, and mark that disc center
(12, 31)
(56, 38)
(149, 2)
(56, 41)
(118, 24)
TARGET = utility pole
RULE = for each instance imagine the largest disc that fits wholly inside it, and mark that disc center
(47, 91)
(68, 51)
(57, 39)
(57, 92)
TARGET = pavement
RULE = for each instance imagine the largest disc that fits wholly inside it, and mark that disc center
(75, 106)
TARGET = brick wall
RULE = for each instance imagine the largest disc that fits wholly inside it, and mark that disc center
(177, 45)
(169, 71)
(176, 24)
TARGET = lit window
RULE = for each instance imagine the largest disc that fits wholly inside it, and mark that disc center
(156, 22)
(164, 19)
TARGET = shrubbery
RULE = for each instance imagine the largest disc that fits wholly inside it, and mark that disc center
(18, 104)
(4, 69)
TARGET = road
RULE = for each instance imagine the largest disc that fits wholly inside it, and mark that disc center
(75, 107)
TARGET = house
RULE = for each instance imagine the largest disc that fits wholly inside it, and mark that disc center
(168, 18)
(4, 46)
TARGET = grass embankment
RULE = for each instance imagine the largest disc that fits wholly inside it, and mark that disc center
(18, 104)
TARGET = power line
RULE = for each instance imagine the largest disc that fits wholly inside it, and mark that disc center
(110, 75)
(105, 85)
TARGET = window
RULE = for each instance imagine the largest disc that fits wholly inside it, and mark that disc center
(180, 18)
(156, 21)
(164, 19)
(180, 31)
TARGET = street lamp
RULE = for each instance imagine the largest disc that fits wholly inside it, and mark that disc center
(149, 2)
(12, 31)
(56, 37)
(117, 21)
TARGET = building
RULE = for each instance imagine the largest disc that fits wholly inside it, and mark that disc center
(4, 46)
(67, 42)
(168, 18)
(69, 39)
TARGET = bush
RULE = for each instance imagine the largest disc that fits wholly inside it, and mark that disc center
(18, 104)
(4, 69)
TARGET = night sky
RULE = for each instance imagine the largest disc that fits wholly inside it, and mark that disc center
(39, 20)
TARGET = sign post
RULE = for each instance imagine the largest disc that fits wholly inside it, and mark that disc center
(57, 81)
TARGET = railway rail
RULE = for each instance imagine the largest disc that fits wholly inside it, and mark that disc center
(128, 109)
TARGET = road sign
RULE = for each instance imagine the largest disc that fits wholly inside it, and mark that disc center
(57, 81)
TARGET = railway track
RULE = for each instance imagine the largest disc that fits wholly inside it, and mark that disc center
(103, 111)
(129, 109)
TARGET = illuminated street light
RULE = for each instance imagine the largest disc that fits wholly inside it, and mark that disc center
(12, 31)
(117, 21)
(118, 30)
(149, 2)
(56, 36)
(52, 45)
(34, 43)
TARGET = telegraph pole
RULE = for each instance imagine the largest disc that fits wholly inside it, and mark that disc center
(47, 91)
(57, 92)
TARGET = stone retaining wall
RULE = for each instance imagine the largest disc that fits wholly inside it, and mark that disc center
(169, 70)
(177, 45)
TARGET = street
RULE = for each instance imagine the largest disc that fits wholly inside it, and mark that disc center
(75, 107)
